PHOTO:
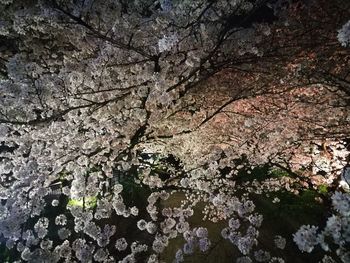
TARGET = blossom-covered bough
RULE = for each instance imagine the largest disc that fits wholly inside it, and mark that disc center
(121, 122)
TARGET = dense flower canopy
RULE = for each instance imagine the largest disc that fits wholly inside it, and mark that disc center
(124, 122)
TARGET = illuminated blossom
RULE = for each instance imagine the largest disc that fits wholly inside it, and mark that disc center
(121, 244)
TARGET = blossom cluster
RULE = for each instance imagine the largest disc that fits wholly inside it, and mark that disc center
(336, 232)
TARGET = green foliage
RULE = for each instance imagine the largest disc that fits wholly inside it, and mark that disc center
(258, 173)
(4, 254)
(292, 210)
(134, 193)
(323, 189)
(278, 173)
(261, 173)
(62, 175)
(90, 202)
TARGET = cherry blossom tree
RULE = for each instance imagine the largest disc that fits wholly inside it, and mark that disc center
(111, 109)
